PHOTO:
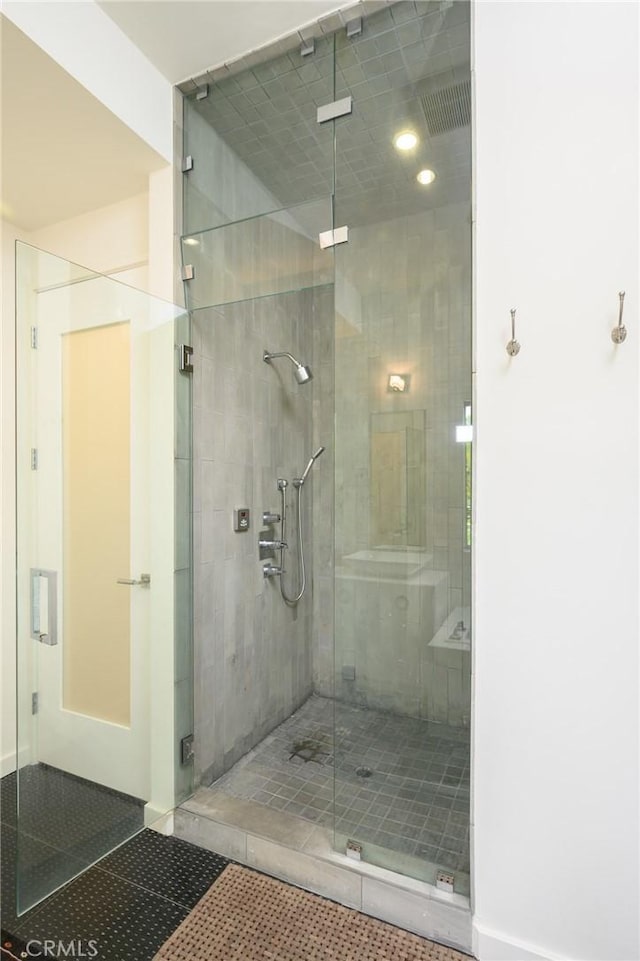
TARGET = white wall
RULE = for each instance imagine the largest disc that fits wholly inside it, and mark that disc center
(556, 545)
(89, 46)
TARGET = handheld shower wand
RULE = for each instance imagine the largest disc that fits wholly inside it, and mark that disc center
(282, 487)
(299, 481)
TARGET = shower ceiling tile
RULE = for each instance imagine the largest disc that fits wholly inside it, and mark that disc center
(272, 127)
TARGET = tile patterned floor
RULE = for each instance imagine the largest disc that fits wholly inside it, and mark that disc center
(123, 908)
(414, 801)
(66, 823)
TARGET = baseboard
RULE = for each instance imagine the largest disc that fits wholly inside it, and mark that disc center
(496, 946)
(8, 761)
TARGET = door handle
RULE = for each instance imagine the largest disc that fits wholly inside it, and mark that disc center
(38, 631)
(145, 580)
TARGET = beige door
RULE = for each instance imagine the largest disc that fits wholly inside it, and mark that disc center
(90, 405)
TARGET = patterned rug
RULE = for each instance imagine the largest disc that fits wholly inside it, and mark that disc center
(246, 916)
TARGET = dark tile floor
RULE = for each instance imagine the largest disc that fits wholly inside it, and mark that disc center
(66, 823)
(121, 909)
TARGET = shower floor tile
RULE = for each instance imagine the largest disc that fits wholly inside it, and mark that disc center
(401, 783)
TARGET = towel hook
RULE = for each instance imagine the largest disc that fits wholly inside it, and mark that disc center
(619, 333)
(513, 347)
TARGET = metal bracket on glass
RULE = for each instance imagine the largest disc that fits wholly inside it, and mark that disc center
(354, 27)
(203, 92)
(185, 353)
(188, 272)
(187, 164)
(338, 108)
(329, 238)
(307, 47)
(38, 616)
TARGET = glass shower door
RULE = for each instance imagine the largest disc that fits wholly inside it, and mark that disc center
(403, 375)
(94, 504)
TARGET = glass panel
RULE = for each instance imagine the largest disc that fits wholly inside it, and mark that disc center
(183, 579)
(95, 468)
(403, 375)
(261, 256)
(255, 142)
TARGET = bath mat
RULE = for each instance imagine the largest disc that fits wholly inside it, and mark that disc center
(246, 916)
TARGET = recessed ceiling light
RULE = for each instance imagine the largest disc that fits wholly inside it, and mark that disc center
(191, 241)
(405, 140)
(426, 177)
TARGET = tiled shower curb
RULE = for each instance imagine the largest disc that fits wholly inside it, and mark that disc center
(301, 853)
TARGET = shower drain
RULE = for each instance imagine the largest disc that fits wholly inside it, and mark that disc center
(364, 771)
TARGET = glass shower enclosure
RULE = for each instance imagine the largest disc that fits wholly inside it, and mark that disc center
(103, 682)
(327, 212)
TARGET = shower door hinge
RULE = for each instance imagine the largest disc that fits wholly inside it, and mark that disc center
(187, 164)
(34, 338)
(445, 881)
(354, 27)
(353, 849)
(203, 92)
(34, 458)
(188, 272)
(329, 238)
(186, 749)
(186, 353)
(34, 702)
(338, 108)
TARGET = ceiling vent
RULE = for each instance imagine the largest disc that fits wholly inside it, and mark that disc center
(447, 108)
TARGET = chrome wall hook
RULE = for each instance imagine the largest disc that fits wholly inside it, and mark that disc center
(619, 333)
(513, 347)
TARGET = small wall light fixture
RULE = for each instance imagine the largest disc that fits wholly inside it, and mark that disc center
(398, 383)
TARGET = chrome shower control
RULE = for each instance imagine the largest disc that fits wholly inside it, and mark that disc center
(271, 570)
(266, 544)
(268, 517)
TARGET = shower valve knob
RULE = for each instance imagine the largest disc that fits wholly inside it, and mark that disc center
(268, 517)
(271, 545)
(271, 570)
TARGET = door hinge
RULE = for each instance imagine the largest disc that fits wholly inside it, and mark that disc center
(34, 702)
(34, 458)
(34, 338)
(186, 353)
(188, 272)
(187, 164)
(186, 749)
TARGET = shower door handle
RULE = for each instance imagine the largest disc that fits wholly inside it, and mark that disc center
(38, 632)
(145, 580)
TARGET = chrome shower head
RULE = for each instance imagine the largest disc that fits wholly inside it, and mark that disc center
(301, 373)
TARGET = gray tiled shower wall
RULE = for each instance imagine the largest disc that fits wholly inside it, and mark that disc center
(401, 300)
(403, 303)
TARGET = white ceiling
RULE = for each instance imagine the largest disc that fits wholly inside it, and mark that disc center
(182, 38)
(63, 152)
